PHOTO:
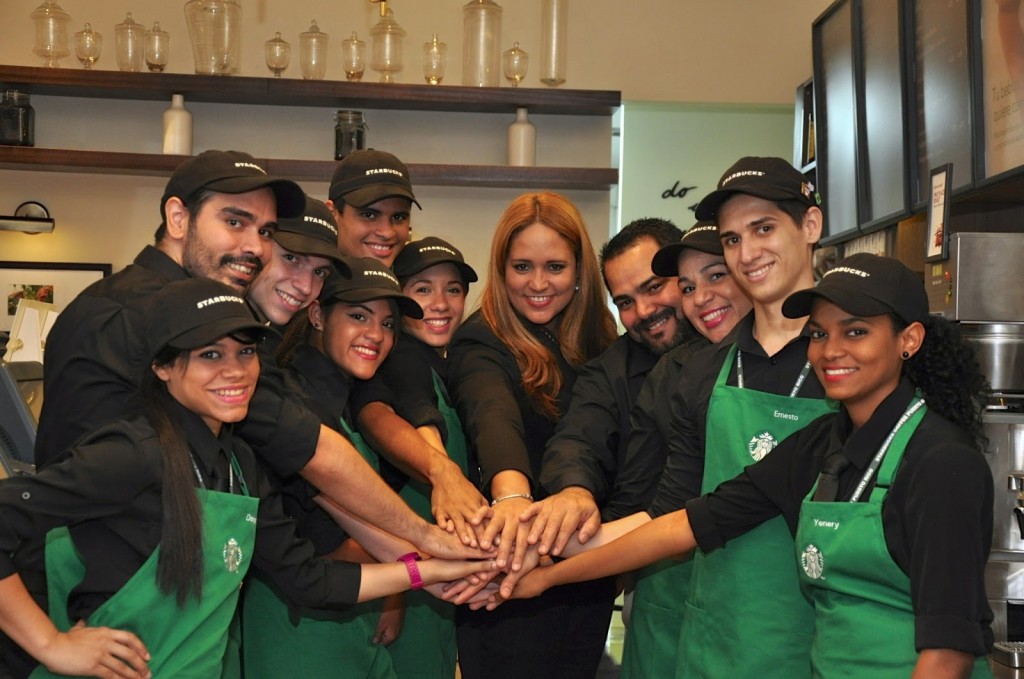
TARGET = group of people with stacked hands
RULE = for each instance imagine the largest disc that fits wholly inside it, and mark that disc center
(272, 447)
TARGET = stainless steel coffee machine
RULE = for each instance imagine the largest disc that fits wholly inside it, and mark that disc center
(981, 286)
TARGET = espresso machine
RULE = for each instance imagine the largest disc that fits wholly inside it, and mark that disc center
(981, 286)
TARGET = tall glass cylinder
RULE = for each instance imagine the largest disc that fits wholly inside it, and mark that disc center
(554, 32)
(481, 43)
(214, 26)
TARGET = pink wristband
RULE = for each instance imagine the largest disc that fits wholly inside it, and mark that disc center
(410, 559)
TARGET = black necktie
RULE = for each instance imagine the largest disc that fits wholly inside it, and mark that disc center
(828, 482)
(221, 476)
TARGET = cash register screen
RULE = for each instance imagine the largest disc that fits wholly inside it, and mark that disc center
(21, 398)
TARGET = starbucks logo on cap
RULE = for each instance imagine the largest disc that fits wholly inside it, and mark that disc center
(761, 445)
(813, 563)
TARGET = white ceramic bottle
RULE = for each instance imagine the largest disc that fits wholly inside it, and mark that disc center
(178, 127)
(522, 141)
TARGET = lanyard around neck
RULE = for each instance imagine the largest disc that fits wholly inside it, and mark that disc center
(199, 477)
(877, 459)
(796, 387)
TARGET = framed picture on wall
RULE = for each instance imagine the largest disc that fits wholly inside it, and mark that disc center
(54, 283)
(937, 235)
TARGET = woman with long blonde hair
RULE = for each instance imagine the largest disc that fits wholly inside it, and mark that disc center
(512, 367)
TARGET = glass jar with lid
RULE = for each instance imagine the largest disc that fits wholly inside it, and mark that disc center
(17, 119)
(349, 133)
(129, 38)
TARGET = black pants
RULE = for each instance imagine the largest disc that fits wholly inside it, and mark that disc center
(560, 635)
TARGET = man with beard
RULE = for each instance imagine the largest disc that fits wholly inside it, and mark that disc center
(219, 211)
(585, 454)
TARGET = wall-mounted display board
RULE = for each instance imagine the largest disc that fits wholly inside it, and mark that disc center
(943, 92)
(832, 36)
(1002, 86)
(884, 142)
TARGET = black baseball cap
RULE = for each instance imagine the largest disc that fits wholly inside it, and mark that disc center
(866, 285)
(370, 280)
(365, 176)
(425, 253)
(232, 172)
(769, 178)
(702, 236)
(314, 232)
(193, 312)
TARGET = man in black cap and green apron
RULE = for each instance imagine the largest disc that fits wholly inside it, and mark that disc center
(735, 402)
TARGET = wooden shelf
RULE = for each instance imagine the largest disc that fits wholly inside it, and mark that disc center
(147, 164)
(324, 93)
(291, 92)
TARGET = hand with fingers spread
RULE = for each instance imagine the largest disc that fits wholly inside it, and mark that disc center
(557, 517)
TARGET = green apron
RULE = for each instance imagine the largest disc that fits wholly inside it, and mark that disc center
(864, 619)
(196, 643)
(282, 641)
(426, 648)
(656, 620)
(745, 615)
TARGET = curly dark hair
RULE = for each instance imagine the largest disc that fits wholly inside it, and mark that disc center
(947, 372)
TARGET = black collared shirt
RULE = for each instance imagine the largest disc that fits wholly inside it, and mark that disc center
(95, 355)
(646, 445)
(324, 389)
(936, 519)
(108, 490)
(590, 440)
(504, 428)
(688, 404)
(408, 377)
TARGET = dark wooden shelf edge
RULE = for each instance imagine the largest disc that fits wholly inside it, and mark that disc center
(147, 164)
(293, 92)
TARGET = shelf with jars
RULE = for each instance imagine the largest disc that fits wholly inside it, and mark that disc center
(144, 86)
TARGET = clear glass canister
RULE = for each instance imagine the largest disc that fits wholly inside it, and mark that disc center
(481, 43)
(129, 38)
(349, 133)
(214, 27)
(554, 31)
(17, 119)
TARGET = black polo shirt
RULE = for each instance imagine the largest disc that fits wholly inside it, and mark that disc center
(324, 389)
(95, 354)
(688, 404)
(936, 519)
(589, 443)
(646, 444)
(108, 489)
(504, 429)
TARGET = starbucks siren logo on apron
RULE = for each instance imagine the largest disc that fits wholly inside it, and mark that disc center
(761, 445)
(232, 555)
(813, 562)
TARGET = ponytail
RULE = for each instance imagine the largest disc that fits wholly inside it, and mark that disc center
(947, 372)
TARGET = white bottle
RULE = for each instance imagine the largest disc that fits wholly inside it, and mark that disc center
(178, 128)
(522, 141)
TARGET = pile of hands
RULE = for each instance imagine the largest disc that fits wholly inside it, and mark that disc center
(519, 537)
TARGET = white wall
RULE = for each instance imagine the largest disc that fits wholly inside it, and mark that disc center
(671, 147)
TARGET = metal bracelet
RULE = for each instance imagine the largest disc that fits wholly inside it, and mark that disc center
(525, 496)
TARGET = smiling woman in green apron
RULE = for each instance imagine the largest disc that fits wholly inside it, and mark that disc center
(347, 335)
(434, 273)
(890, 499)
(150, 524)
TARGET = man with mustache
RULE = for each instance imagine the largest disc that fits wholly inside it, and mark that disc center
(585, 455)
(219, 212)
